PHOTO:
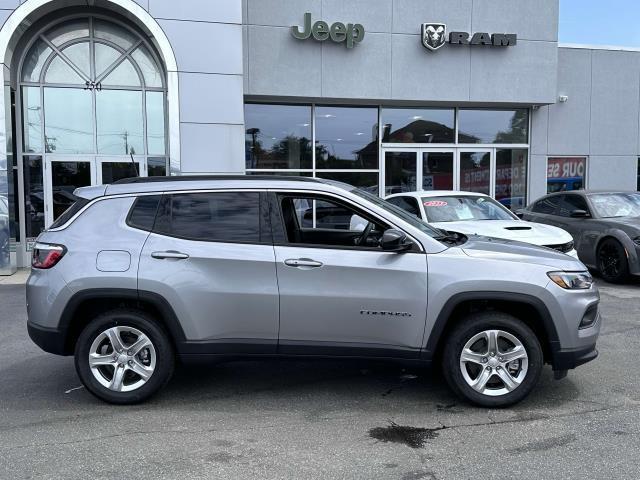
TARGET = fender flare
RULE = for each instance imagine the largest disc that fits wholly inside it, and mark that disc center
(168, 317)
(444, 316)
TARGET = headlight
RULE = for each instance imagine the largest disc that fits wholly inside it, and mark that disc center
(572, 280)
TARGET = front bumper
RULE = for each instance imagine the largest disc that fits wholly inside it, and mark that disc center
(50, 340)
(566, 359)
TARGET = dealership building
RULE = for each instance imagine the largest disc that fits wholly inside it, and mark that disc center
(388, 95)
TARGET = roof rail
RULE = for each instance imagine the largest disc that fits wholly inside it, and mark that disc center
(194, 178)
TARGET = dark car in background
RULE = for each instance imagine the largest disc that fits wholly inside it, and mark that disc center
(605, 227)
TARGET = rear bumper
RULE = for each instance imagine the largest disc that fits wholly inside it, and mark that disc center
(50, 340)
(571, 358)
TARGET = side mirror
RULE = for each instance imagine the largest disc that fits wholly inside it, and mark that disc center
(579, 213)
(395, 241)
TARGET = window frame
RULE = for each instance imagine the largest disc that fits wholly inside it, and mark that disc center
(264, 227)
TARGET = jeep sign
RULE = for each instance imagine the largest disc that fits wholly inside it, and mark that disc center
(338, 32)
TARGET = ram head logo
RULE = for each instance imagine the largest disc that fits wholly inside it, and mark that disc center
(433, 35)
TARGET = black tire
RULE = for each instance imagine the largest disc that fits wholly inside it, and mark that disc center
(612, 261)
(125, 317)
(476, 323)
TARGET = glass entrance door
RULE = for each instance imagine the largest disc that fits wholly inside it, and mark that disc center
(110, 170)
(62, 177)
(476, 167)
(407, 170)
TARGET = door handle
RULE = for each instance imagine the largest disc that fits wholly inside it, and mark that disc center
(169, 254)
(302, 262)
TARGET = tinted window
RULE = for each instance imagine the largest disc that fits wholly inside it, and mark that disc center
(569, 203)
(409, 125)
(143, 212)
(220, 217)
(70, 212)
(546, 205)
(493, 126)
(408, 204)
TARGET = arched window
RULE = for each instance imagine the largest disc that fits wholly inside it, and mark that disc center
(93, 97)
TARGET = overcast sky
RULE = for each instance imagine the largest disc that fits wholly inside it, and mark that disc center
(600, 22)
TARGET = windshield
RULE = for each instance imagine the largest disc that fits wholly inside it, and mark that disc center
(464, 207)
(609, 205)
(398, 212)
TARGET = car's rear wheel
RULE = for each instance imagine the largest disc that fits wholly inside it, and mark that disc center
(612, 261)
(492, 359)
(124, 357)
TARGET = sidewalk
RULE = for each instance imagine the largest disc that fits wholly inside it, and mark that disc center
(18, 278)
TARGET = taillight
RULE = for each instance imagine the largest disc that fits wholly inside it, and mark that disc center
(46, 255)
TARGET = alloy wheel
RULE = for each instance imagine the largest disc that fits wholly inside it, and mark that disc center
(122, 358)
(494, 362)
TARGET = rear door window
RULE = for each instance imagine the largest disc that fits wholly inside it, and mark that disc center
(232, 217)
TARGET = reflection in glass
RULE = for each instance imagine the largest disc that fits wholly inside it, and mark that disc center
(277, 136)
(60, 71)
(32, 120)
(146, 63)
(124, 74)
(114, 171)
(638, 188)
(511, 178)
(113, 33)
(437, 171)
(105, 56)
(284, 173)
(346, 137)
(156, 166)
(365, 180)
(493, 126)
(67, 31)
(65, 178)
(411, 125)
(33, 196)
(400, 172)
(565, 173)
(34, 61)
(155, 123)
(79, 56)
(475, 172)
(119, 122)
(66, 133)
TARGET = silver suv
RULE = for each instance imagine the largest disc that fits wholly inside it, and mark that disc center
(144, 271)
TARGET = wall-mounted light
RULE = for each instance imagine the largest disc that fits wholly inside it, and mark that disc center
(563, 98)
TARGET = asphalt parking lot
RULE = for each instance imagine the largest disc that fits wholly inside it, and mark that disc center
(313, 419)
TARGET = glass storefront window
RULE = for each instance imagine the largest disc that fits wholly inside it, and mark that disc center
(511, 177)
(475, 172)
(277, 136)
(638, 188)
(155, 124)
(493, 126)
(400, 172)
(66, 133)
(365, 180)
(33, 195)
(32, 119)
(410, 125)
(437, 171)
(156, 167)
(119, 122)
(284, 173)
(565, 173)
(346, 137)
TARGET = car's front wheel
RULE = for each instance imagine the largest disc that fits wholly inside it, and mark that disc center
(124, 357)
(492, 359)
